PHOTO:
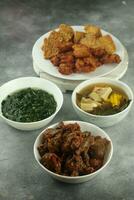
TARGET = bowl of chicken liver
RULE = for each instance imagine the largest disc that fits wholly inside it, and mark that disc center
(73, 151)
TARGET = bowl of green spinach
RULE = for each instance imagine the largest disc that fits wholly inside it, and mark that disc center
(29, 103)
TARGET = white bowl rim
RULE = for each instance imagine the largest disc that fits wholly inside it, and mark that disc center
(75, 177)
(32, 123)
(103, 79)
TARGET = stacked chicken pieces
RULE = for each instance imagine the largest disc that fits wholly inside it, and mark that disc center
(79, 52)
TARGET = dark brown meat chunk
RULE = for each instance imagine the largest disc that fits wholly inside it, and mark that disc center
(69, 128)
(72, 141)
(99, 147)
(74, 164)
(51, 161)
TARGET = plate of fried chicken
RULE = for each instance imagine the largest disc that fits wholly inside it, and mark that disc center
(78, 52)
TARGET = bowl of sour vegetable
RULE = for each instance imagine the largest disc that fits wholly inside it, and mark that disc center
(102, 101)
(29, 103)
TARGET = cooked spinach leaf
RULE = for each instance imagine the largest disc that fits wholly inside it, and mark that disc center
(29, 105)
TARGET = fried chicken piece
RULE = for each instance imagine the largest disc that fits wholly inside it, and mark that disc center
(80, 66)
(93, 61)
(49, 49)
(90, 41)
(50, 46)
(57, 41)
(106, 42)
(67, 58)
(65, 46)
(104, 57)
(99, 53)
(80, 51)
(93, 30)
(66, 32)
(65, 68)
(78, 36)
(55, 60)
(113, 58)
(52, 162)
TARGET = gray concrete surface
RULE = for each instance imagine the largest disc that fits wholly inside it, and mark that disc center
(21, 23)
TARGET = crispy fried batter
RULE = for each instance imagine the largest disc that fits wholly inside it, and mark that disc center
(78, 36)
(50, 49)
(99, 53)
(106, 42)
(90, 41)
(81, 51)
(91, 60)
(58, 41)
(67, 58)
(113, 58)
(66, 32)
(64, 57)
(65, 68)
(51, 44)
(93, 30)
(65, 46)
(81, 66)
(55, 60)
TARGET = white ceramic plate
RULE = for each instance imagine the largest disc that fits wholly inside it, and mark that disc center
(48, 67)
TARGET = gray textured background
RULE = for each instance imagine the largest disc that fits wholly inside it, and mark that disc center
(21, 23)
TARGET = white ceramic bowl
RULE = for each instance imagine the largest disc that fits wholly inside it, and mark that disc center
(102, 121)
(78, 179)
(34, 82)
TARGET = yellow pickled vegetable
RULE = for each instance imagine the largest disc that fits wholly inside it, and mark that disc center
(115, 99)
